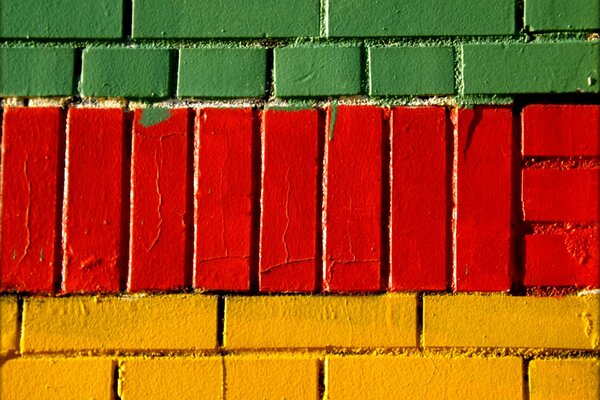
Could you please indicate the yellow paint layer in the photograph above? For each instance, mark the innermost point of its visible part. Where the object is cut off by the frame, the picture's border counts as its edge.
(397, 377)
(69, 378)
(108, 324)
(8, 324)
(171, 378)
(564, 379)
(271, 377)
(570, 322)
(320, 321)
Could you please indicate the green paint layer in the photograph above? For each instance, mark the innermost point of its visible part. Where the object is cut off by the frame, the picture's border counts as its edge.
(398, 71)
(222, 73)
(126, 72)
(154, 115)
(570, 67)
(36, 71)
(559, 15)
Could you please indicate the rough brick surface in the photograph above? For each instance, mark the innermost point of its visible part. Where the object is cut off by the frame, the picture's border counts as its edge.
(352, 199)
(159, 168)
(92, 208)
(562, 15)
(564, 379)
(224, 197)
(9, 340)
(32, 140)
(288, 233)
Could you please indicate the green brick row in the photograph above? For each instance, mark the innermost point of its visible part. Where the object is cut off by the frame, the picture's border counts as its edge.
(562, 15)
(309, 72)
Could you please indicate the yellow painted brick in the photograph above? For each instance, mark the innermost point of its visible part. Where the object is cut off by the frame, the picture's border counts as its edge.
(67, 378)
(271, 377)
(570, 322)
(8, 324)
(320, 321)
(171, 378)
(106, 324)
(435, 377)
(564, 379)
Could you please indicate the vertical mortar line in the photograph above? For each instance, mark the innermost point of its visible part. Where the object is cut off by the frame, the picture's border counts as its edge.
(420, 319)
(188, 272)
(195, 143)
(77, 70)
(323, 16)
(321, 377)
(526, 392)
(459, 85)
(450, 201)
(127, 19)
(256, 179)
(220, 343)
(173, 72)
(60, 192)
(386, 195)
(454, 179)
(517, 228)
(326, 138)
(270, 74)
(364, 69)
(519, 17)
(321, 134)
(125, 198)
(20, 323)
(116, 378)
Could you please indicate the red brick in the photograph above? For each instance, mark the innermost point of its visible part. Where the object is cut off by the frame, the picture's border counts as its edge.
(419, 196)
(92, 214)
(159, 171)
(288, 235)
(484, 186)
(31, 157)
(352, 200)
(561, 195)
(223, 207)
(561, 130)
(567, 259)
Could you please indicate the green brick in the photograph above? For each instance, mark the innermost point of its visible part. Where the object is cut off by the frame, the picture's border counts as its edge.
(222, 73)
(225, 18)
(397, 71)
(567, 67)
(36, 71)
(126, 72)
(317, 71)
(362, 18)
(61, 18)
(559, 15)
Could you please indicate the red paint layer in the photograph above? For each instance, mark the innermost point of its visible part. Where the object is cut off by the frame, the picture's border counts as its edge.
(561, 130)
(30, 153)
(483, 225)
(352, 200)
(92, 225)
(289, 201)
(159, 173)
(223, 201)
(568, 259)
(419, 194)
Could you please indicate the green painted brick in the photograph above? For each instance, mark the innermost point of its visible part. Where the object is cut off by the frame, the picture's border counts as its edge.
(397, 71)
(317, 71)
(36, 71)
(558, 15)
(61, 18)
(222, 73)
(373, 18)
(126, 72)
(225, 18)
(567, 67)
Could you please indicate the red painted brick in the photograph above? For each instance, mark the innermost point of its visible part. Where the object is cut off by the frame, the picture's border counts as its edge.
(352, 200)
(223, 204)
(288, 236)
(419, 195)
(30, 164)
(561, 195)
(159, 170)
(561, 130)
(483, 185)
(567, 259)
(92, 214)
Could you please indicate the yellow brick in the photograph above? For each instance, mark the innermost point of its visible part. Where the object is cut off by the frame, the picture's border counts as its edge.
(107, 324)
(320, 321)
(8, 324)
(415, 377)
(271, 377)
(564, 379)
(67, 378)
(171, 378)
(569, 322)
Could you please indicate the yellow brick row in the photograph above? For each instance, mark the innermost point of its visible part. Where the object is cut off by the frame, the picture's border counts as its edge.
(564, 379)
(8, 324)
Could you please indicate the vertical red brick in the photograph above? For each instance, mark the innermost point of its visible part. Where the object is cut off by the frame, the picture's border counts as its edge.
(223, 201)
(92, 219)
(159, 171)
(352, 199)
(288, 236)
(419, 194)
(30, 161)
(561, 130)
(484, 187)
